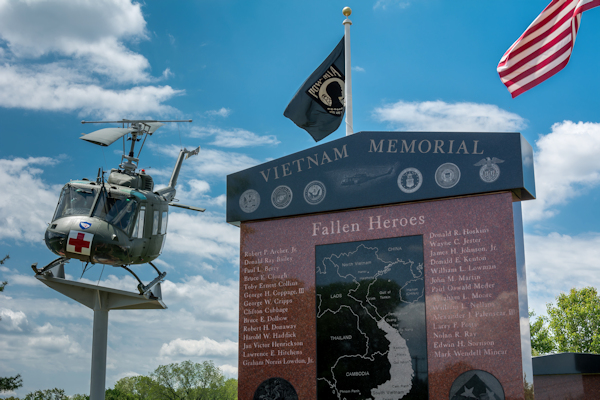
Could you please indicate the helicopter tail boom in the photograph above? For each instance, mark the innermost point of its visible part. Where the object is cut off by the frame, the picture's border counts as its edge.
(169, 191)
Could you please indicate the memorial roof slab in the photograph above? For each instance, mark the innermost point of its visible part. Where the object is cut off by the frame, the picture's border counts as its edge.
(377, 168)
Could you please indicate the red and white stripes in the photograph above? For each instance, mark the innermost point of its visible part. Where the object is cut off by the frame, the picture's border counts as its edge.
(545, 47)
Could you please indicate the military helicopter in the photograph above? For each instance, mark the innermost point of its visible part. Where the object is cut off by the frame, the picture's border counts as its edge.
(120, 221)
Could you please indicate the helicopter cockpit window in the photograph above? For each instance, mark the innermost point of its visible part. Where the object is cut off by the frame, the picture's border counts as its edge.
(163, 223)
(74, 201)
(138, 229)
(117, 209)
(155, 223)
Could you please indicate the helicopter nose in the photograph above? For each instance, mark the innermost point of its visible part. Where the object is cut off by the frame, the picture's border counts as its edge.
(55, 241)
(71, 237)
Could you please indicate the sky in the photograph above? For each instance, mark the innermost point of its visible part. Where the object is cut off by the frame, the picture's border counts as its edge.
(232, 66)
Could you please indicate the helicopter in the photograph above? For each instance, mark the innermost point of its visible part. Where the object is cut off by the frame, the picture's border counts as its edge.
(119, 221)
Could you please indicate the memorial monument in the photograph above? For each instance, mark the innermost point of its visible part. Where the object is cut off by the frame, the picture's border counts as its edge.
(385, 265)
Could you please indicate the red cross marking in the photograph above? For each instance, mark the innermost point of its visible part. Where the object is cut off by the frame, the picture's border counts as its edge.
(79, 243)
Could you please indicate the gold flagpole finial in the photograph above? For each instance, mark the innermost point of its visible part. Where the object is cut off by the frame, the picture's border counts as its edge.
(347, 11)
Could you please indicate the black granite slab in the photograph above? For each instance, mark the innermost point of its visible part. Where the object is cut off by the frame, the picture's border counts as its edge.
(566, 363)
(378, 168)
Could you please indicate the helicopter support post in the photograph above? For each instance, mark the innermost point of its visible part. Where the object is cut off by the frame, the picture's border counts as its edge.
(101, 300)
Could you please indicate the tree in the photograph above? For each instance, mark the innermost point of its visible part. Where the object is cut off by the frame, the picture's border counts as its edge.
(229, 390)
(48, 394)
(189, 381)
(132, 388)
(3, 284)
(11, 383)
(575, 321)
(541, 341)
(179, 381)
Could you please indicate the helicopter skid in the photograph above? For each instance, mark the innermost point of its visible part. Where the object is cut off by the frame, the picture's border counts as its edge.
(145, 290)
(60, 261)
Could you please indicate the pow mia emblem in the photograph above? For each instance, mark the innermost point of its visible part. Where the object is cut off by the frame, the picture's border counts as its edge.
(249, 201)
(410, 180)
(281, 197)
(328, 91)
(275, 389)
(489, 171)
(314, 192)
(447, 175)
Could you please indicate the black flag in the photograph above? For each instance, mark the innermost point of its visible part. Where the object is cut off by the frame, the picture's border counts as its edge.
(318, 106)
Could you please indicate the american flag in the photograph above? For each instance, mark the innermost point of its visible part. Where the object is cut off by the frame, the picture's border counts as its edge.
(545, 47)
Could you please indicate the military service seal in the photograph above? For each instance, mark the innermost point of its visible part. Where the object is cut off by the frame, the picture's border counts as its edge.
(489, 171)
(281, 197)
(410, 180)
(447, 175)
(249, 201)
(314, 192)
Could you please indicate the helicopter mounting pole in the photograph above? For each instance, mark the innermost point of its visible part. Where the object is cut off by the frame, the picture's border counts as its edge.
(101, 300)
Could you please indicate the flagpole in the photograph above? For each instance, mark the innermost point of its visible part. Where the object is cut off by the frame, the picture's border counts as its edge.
(348, 71)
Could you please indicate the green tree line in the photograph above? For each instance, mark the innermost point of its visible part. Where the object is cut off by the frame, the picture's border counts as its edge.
(180, 381)
(572, 325)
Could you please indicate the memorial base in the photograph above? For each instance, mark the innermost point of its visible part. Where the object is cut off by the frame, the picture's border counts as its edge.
(413, 301)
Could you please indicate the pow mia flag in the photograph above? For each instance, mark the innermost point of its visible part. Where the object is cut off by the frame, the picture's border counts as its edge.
(318, 106)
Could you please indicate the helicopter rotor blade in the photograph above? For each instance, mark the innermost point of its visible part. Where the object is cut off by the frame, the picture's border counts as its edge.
(153, 126)
(187, 207)
(106, 136)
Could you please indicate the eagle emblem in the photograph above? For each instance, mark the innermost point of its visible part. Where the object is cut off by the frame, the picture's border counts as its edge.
(489, 171)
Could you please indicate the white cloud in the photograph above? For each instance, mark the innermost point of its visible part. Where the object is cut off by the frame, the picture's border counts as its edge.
(200, 295)
(198, 187)
(50, 89)
(234, 137)
(556, 263)
(49, 338)
(27, 203)
(383, 4)
(167, 73)
(442, 116)
(566, 164)
(221, 112)
(12, 320)
(203, 235)
(195, 192)
(210, 163)
(358, 69)
(229, 370)
(198, 348)
(60, 54)
(89, 31)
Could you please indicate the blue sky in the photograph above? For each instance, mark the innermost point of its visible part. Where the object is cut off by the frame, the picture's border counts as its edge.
(232, 66)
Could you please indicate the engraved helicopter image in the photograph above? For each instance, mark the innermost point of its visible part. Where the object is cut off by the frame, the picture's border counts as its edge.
(119, 221)
(361, 178)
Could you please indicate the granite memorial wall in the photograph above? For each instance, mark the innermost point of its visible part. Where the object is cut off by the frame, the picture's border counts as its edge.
(407, 281)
